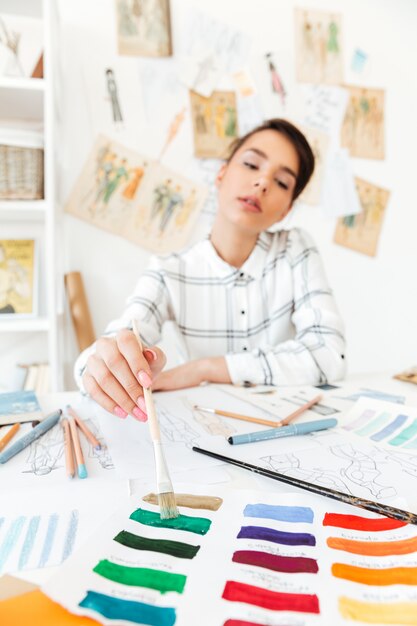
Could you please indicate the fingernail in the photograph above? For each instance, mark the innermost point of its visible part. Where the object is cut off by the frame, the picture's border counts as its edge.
(141, 404)
(140, 415)
(144, 379)
(152, 353)
(119, 412)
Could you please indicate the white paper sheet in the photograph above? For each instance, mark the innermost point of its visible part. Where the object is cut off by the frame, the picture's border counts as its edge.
(262, 557)
(340, 196)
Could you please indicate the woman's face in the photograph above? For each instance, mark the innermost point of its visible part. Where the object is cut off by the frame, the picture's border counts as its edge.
(256, 187)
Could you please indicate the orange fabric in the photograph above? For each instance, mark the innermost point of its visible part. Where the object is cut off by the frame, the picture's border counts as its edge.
(36, 609)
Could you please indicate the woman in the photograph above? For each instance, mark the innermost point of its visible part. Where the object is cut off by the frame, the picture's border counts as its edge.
(252, 306)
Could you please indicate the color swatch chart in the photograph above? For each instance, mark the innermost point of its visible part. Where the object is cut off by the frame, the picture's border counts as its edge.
(243, 558)
(36, 541)
(385, 424)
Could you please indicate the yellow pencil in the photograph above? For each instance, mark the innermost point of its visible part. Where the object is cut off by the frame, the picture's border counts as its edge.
(300, 410)
(9, 435)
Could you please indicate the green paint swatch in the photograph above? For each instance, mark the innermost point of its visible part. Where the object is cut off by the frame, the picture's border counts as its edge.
(199, 525)
(165, 546)
(141, 577)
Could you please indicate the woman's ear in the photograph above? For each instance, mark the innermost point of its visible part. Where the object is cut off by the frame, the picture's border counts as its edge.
(220, 175)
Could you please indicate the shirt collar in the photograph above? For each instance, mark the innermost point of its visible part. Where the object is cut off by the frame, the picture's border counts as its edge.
(252, 267)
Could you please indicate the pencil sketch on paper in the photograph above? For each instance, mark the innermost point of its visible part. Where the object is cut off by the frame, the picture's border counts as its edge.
(361, 232)
(319, 142)
(140, 200)
(215, 123)
(113, 96)
(319, 48)
(363, 127)
(340, 467)
(46, 453)
(102, 455)
(176, 429)
(143, 28)
(213, 424)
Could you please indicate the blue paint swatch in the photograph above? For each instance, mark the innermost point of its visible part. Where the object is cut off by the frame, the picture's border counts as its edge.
(280, 513)
(389, 428)
(29, 541)
(276, 536)
(375, 424)
(138, 612)
(405, 435)
(49, 540)
(71, 535)
(10, 539)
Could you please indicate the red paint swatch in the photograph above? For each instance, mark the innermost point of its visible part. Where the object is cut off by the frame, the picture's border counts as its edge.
(374, 548)
(273, 600)
(240, 622)
(287, 564)
(355, 522)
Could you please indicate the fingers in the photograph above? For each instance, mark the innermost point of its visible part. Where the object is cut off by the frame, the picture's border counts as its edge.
(156, 359)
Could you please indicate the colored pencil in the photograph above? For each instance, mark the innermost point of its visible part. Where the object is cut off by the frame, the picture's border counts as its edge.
(69, 457)
(84, 428)
(300, 410)
(283, 431)
(9, 435)
(31, 436)
(362, 503)
(166, 496)
(238, 416)
(81, 468)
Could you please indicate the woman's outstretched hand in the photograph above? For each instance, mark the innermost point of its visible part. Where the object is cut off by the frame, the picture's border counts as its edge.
(117, 371)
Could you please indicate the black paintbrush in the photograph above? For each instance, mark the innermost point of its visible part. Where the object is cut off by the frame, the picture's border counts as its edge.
(375, 507)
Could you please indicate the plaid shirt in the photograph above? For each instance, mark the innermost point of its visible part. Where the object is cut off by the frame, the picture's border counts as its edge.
(274, 319)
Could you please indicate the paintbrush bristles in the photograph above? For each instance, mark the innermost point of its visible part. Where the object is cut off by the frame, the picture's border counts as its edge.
(167, 505)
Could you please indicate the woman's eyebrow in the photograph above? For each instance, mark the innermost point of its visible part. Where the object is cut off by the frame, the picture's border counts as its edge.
(286, 169)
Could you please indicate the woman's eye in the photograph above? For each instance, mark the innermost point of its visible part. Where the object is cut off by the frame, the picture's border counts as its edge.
(251, 166)
(280, 183)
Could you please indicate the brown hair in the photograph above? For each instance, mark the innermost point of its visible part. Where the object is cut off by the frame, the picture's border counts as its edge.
(297, 139)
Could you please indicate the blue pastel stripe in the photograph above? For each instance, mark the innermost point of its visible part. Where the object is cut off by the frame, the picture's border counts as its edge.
(29, 541)
(10, 539)
(374, 425)
(129, 610)
(49, 540)
(405, 435)
(71, 535)
(280, 513)
(389, 429)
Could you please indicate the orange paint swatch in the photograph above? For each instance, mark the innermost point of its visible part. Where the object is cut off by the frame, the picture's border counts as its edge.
(378, 577)
(374, 548)
(379, 613)
(36, 609)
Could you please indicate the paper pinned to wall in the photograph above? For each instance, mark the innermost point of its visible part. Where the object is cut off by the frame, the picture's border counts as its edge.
(236, 556)
(361, 232)
(215, 123)
(324, 108)
(363, 127)
(319, 47)
(340, 196)
(319, 143)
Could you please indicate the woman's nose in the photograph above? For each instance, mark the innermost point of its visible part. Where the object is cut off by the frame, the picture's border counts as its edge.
(261, 184)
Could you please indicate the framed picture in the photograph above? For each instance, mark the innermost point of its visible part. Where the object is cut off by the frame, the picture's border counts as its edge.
(18, 278)
(215, 123)
(144, 28)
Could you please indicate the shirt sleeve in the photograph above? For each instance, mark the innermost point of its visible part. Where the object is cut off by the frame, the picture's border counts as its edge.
(316, 354)
(149, 304)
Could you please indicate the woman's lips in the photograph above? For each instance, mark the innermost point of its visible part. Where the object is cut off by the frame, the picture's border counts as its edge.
(250, 203)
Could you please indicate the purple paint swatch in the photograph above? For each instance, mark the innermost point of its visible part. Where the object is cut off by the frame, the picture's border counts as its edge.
(280, 513)
(276, 536)
(287, 564)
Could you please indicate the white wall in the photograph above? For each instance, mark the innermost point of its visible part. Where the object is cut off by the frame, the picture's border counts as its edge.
(377, 296)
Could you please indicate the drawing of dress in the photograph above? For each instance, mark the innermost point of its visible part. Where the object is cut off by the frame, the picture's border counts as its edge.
(230, 123)
(187, 208)
(161, 195)
(114, 98)
(114, 183)
(332, 43)
(219, 120)
(127, 26)
(131, 188)
(175, 199)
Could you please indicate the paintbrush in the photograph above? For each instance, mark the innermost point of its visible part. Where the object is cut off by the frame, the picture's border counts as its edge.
(165, 492)
(347, 498)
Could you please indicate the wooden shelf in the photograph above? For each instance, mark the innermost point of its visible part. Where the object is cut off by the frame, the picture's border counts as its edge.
(20, 99)
(24, 325)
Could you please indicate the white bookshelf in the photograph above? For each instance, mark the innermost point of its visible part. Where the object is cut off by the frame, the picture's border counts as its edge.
(32, 99)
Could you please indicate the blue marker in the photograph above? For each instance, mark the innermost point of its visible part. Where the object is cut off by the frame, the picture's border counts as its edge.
(284, 431)
(27, 439)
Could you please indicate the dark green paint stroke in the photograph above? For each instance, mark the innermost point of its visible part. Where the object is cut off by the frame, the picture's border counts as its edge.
(174, 548)
(198, 525)
(138, 612)
(141, 577)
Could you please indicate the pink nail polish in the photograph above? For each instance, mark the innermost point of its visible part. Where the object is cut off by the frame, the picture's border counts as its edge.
(140, 415)
(144, 379)
(119, 412)
(152, 353)
(142, 404)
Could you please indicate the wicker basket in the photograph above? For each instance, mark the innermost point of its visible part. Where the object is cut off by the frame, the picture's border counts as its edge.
(21, 173)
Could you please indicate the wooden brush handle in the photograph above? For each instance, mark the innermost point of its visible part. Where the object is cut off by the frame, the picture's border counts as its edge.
(147, 394)
(247, 418)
